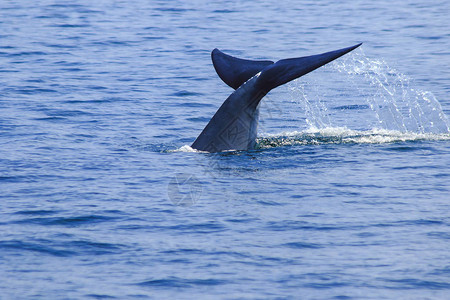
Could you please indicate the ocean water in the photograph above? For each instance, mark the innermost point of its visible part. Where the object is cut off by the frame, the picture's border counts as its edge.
(347, 195)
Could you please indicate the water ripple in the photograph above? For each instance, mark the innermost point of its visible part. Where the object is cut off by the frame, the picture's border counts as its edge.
(66, 221)
(175, 282)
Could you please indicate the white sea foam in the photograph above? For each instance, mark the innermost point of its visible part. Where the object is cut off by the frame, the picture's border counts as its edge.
(185, 148)
(342, 135)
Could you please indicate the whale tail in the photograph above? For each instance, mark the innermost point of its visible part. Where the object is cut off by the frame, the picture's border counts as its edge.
(236, 71)
(234, 125)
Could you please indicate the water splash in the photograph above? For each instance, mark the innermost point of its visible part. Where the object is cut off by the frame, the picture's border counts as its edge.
(395, 104)
(314, 108)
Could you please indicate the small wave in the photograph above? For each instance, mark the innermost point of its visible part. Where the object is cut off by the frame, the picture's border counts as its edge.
(302, 245)
(62, 248)
(40, 247)
(184, 93)
(342, 135)
(65, 221)
(413, 283)
(175, 282)
(36, 212)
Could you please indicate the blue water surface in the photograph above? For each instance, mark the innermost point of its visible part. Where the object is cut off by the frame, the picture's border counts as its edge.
(345, 197)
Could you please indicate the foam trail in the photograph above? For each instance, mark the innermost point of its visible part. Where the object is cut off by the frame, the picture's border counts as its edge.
(335, 135)
(342, 135)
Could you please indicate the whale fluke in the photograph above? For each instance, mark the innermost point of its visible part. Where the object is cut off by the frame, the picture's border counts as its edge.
(234, 125)
(289, 69)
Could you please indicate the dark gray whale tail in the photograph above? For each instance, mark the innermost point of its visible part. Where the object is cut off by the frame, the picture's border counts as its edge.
(234, 126)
